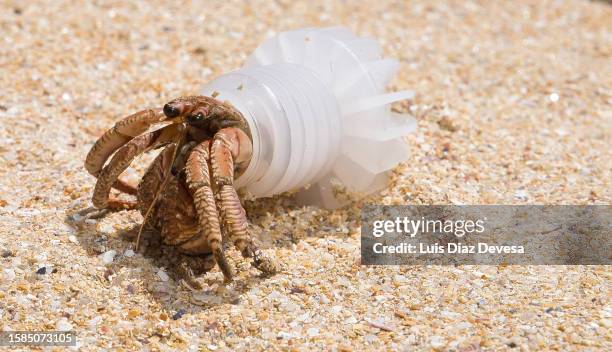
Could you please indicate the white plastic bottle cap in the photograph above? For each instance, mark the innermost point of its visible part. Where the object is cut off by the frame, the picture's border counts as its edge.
(316, 104)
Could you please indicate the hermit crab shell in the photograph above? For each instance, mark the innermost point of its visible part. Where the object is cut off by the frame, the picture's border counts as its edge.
(316, 103)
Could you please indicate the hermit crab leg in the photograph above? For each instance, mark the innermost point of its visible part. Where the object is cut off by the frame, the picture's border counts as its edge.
(123, 131)
(198, 181)
(122, 159)
(153, 178)
(232, 145)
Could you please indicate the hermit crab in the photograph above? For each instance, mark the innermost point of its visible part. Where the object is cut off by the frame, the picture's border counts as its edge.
(187, 193)
(309, 111)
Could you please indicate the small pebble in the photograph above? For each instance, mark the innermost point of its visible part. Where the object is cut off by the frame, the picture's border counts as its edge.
(370, 338)
(179, 314)
(73, 239)
(109, 256)
(312, 332)
(129, 253)
(436, 341)
(42, 270)
(379, 324)
(162, 275)
(449, 314)
(323, 299)
(282, 335)
(350, 321)
(133, 313)
(9, 274)
(6, 254)
(463, 325)
(108, 274)
(204, 298)
(521, 194)
(94, 321)
(554, 97)
(63, 325)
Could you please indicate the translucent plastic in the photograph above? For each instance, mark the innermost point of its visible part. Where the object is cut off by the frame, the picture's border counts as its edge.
(316, 104)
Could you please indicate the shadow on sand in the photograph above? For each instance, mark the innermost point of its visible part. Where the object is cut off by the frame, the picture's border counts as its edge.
(153, 260)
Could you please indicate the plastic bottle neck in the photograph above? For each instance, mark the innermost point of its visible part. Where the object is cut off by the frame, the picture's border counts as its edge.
(295, 123)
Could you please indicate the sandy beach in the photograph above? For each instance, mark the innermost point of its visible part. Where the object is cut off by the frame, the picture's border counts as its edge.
(514, 106)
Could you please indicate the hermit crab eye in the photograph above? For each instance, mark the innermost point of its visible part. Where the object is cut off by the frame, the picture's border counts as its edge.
(195, 117)
(171, 111)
